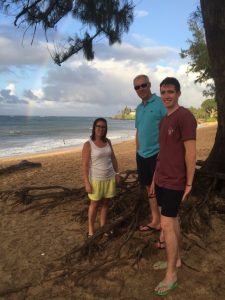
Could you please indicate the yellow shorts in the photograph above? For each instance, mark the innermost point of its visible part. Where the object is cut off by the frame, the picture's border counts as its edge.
(102, 189)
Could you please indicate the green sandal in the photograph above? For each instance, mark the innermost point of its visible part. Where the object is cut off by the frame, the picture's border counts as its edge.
(160, 265)
(167, 288)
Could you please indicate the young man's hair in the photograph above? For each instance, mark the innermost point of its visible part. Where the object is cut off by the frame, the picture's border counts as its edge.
(171, 81)
(104, 139)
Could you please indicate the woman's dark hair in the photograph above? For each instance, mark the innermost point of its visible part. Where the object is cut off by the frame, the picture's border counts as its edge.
(93, 129)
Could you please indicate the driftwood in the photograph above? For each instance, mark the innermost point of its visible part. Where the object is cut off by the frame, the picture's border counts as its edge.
(23, 165)
(14, 290)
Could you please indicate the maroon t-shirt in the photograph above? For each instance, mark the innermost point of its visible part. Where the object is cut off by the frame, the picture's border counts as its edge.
(174, 129)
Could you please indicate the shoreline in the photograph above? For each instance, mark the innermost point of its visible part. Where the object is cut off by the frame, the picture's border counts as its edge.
(53, 152)
(64, 167)
(62, 149)
(75, 149)
(41, 154)
(26, 137)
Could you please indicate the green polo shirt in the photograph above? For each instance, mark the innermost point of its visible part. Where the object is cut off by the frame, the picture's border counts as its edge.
(147, 121)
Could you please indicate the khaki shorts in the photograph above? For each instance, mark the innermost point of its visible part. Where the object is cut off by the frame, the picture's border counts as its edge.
(103, 189)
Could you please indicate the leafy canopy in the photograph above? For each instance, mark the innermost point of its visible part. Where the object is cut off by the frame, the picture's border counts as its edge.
(198, 53)
(210, 107)
(207, 112)
(108, 18)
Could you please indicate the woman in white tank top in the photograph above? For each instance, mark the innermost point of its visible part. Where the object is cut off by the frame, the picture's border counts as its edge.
(100, 170)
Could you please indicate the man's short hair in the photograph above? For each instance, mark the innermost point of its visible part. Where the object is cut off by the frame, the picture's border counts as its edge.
(146, 78)
(171, 81)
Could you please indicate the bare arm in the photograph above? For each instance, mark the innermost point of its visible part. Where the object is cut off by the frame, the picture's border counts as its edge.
(152, 186)
(86, 155)
(137, 142)
(114, 163)
(190, 161)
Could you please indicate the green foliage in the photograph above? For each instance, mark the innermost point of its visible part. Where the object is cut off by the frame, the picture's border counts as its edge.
(126, 111)
(210, 107)
(98, 18)
(198, 53)
(207, 112)
(126, 114)
(199, 113)
(127, 117)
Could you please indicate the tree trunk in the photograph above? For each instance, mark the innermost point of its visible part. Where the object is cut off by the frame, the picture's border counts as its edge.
(213, 12)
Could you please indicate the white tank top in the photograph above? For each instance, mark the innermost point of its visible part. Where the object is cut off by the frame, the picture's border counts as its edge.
(100, 166)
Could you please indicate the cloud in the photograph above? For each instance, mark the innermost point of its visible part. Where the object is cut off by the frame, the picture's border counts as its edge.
(125, 51)
(6, 96)
(101, 87)
(12, 88)
(141, 13)
(16, 51)
(98, 88)
(191, 93)
(105, 87)
(30, 95)
(4, 69)
(71, 85)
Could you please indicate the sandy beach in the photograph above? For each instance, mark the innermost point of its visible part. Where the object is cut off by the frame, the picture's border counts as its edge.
(64, 167)
(31, 240)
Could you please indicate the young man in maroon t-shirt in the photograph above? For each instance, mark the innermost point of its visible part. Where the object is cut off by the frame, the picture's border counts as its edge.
(174, 175)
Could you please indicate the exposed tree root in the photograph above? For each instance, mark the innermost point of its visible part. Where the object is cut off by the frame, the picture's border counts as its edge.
(23, 165)
(124, 246)
(14, 290)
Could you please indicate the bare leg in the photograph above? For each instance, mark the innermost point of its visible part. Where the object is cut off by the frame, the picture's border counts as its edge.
(155, 215)
(92, 212)
(177, 230)
(155, 223)
(161, 237)
(161, 243)
(104, 211)
(169, 230)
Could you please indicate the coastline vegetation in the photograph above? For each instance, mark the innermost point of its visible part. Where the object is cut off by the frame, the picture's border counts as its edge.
(126, 114)
(206, 113)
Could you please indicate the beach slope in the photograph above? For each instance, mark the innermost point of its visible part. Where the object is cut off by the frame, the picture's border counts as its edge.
(34, 238)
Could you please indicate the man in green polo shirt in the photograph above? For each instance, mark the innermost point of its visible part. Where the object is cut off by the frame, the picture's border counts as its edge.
(148, 116)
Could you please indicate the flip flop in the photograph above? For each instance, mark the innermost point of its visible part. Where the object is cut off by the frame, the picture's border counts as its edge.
(147, 228)
(160, 265)
(167, 288)
(89, 235)
(160, 245)
(109, 234)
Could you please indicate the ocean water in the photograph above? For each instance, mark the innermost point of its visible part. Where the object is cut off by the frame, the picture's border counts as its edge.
(20, 135)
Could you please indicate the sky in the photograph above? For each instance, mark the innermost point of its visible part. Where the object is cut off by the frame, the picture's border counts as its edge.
(32, 84)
